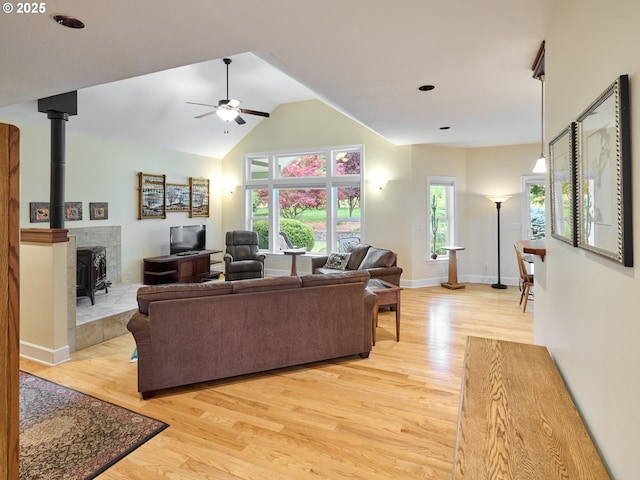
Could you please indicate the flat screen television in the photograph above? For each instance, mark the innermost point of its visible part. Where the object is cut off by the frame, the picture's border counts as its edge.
(187, 238)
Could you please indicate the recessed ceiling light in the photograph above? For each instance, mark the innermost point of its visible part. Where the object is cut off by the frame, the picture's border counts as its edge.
(426, 88)
(67, 21)
(445, 128)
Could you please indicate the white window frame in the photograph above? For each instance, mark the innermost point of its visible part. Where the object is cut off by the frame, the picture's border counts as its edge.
(451, 210)
(527, 181)
(273, 183)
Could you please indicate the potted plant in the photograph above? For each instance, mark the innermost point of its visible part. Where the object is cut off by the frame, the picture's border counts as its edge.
(434, 227)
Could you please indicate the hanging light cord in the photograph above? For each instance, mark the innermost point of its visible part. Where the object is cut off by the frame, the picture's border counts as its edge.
(541, 77)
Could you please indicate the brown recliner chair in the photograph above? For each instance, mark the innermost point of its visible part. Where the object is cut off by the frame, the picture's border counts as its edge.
(242, 259)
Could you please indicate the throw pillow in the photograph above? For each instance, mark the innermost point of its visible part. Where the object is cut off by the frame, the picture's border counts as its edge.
(337, 261)
(378, 257)
(358, 252)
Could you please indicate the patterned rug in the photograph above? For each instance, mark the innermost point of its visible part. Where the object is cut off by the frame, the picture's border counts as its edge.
(65, 434)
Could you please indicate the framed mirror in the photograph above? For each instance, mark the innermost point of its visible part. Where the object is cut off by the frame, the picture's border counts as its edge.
(604, 175)
(562, 178)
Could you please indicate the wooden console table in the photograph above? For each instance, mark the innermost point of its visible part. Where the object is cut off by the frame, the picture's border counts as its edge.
(517, 419)
(533, 247)
(178, 268)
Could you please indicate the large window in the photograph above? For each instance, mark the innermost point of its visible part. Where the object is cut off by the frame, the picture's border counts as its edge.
(306, 200)
(441, 214)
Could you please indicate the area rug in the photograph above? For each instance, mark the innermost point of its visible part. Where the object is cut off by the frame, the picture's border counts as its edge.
(65, 434)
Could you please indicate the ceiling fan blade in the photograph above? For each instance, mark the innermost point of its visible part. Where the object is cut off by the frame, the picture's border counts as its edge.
(206, 114)
(202, 104)
(254, 112)
(233, 103)
(239, 120)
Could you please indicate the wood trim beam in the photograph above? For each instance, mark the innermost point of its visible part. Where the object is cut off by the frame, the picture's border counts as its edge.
(538, 63)
(9, 301)
(44, 235)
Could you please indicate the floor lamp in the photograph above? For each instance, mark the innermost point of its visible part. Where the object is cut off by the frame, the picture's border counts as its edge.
(498, 200)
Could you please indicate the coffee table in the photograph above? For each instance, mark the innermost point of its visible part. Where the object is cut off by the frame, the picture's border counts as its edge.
(388, 296)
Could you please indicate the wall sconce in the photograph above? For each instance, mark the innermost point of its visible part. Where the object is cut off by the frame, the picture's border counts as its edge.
(229, 186)
(379, 182)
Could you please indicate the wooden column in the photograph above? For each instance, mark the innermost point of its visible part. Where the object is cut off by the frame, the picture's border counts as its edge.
(9, 300)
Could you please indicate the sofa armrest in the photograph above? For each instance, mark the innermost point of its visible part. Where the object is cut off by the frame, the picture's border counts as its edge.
(388, 274)
(259, 257)
(140, 328)
(138, 324)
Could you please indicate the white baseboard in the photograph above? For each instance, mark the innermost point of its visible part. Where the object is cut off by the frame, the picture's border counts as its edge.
(425, 282)
(434, 282)
(41, 354)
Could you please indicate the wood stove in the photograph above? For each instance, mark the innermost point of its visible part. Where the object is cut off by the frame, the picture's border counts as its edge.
(91, 272)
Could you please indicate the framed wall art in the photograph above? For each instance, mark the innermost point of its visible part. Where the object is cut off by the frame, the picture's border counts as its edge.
(38, 212)
(604, 175)
(178, 197)
(72, 211)
(98, 211)
(562, 178)
(151, 199)
(199, 200)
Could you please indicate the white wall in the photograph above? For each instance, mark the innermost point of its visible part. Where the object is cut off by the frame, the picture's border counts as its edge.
(436, 161)
(495, 171)
(104, 170)
(586, 306)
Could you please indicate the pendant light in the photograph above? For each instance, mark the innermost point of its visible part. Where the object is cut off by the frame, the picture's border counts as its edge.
(541, 163)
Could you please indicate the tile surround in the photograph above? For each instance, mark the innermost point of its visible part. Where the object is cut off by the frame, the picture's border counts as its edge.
(92, 324)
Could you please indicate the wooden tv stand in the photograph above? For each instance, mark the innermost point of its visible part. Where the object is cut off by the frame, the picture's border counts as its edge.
(178, 268)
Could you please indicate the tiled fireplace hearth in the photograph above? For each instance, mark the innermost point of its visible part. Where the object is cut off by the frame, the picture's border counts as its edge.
(82, 333)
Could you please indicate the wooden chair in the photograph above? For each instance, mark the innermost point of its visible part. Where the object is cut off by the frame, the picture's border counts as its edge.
(526, 279)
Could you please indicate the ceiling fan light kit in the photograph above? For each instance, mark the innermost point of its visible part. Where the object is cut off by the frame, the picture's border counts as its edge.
(229, 109)
(227, 114)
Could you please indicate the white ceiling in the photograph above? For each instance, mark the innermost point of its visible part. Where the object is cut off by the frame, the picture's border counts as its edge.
(366, 58)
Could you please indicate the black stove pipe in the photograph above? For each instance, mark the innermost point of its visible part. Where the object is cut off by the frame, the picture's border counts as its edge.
(58, 108)
(56, 192)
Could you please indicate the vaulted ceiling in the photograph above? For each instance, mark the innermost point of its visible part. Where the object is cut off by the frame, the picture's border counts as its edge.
(136, 64)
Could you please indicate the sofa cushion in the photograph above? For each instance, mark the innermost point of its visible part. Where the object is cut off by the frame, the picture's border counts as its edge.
(265, 284)
(358, 251)
(156, 293)
(378, 257)
(337, 261)
(319, 279)
(244, 266)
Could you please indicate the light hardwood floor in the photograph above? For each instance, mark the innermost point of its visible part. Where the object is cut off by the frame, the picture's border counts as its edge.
(391, 416)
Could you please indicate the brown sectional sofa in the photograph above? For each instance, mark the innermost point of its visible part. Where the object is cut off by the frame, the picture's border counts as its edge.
(378, 262)
(190, 333)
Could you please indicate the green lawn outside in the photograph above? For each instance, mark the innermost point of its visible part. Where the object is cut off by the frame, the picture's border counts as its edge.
(314, 215)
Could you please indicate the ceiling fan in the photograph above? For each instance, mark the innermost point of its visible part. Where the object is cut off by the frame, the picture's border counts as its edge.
(229, 109)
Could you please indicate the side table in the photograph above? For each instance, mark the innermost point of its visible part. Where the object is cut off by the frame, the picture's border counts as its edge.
(388, 296)
(452, 283)
(294, 252)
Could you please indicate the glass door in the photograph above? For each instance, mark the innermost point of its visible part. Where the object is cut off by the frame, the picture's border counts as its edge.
(533, 210)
